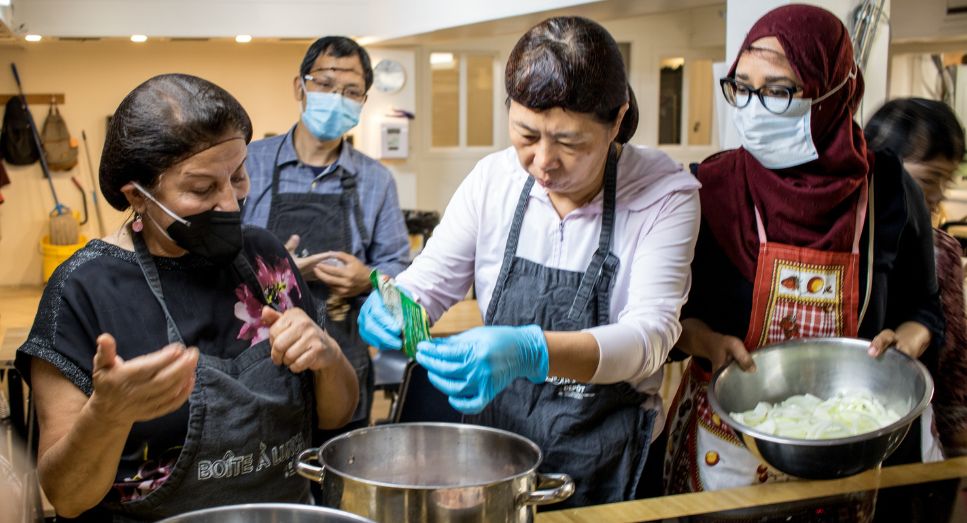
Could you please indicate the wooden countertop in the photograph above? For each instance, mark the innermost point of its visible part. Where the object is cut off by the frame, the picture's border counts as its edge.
(759, 495)
(462, 316)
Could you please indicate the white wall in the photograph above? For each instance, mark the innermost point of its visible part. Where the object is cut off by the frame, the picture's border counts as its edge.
(378, 106)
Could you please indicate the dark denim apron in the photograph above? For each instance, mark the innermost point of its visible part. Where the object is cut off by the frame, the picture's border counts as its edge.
(598, 434)
(323, 223)
(247, 420)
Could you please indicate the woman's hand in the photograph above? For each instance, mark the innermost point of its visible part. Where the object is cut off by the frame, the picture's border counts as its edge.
(910, 338)
(301, 345)
(699, 340)
(473, 367)
(377, 326)
(298, 342)
(143, 388)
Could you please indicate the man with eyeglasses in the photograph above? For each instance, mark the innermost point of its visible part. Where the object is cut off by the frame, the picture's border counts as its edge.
(336, 208)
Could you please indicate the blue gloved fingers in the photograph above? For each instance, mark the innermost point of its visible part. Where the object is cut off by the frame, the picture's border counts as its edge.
(377, 335)
(377, 327)
(441, 357)
(471, 405)
(445, 369)
(450, 349)
(450, 386)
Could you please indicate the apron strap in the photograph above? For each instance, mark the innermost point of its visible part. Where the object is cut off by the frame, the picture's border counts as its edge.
(857, 230)
(150, 271)
(510, 250)
(348, 182)
(871, 197)
(595, 270)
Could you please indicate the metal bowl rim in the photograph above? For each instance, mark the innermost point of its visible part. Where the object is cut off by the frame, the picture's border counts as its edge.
(849, 344)
(273, 506)
(402, 486)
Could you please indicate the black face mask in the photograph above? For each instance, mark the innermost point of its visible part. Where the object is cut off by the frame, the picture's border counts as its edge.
(213, 235)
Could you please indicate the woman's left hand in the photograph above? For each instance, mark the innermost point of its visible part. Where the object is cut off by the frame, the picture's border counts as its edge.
(910, 338)
(298, 342)
(473, 367)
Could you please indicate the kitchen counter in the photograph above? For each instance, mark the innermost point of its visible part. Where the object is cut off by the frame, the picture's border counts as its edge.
(759, 495)
(462, 316)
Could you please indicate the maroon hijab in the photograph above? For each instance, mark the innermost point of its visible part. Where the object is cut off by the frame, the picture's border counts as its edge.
(810, 205)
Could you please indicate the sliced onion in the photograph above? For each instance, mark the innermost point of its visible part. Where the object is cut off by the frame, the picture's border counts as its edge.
(805, 416)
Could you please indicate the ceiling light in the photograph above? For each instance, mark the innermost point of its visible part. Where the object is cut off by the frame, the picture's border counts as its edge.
(33, 38)
(139, 38)
(243, 39)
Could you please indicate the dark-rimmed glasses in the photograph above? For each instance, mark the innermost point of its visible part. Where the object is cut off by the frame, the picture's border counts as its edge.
(774, 97)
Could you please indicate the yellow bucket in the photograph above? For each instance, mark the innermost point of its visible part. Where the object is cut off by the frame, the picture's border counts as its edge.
(54, 255)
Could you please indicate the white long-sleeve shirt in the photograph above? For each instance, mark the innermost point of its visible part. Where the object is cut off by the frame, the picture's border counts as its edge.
(657, 221)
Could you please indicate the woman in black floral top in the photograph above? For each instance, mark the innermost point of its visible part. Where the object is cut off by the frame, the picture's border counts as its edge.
(173, 366)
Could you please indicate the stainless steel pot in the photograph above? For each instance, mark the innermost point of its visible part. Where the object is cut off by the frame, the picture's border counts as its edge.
(433, 472)
(267, 513)
(822, 367)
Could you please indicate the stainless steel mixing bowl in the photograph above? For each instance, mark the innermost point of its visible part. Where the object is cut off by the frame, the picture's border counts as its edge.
(267, 513)
(822, 367)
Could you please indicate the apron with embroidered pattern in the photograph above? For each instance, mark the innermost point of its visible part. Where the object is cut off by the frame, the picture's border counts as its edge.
(798, 293)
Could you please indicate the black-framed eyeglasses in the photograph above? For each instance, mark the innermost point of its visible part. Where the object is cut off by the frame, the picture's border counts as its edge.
(774, 97)
(327, 85)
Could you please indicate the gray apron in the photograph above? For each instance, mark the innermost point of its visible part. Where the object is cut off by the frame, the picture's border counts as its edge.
(247, 420)
(598, 434)
(323, 222)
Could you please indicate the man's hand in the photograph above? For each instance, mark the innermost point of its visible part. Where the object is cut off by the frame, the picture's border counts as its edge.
(345, 274)
(306, 264)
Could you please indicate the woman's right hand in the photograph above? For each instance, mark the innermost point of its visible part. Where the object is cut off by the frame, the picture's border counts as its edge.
(377, 326)
(143, 388)
(699, 340)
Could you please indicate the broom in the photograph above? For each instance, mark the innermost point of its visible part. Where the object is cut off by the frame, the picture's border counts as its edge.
(63, 225)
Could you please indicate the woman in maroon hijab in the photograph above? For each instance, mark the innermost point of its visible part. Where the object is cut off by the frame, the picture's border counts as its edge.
(785, 247)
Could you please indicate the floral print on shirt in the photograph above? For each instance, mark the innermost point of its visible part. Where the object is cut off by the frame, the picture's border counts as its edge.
(278, 284)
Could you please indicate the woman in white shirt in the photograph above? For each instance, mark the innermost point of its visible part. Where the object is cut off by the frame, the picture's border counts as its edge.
(579, 248)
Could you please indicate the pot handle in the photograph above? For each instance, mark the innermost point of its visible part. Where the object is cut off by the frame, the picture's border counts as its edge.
(305, 469)
(554, 488)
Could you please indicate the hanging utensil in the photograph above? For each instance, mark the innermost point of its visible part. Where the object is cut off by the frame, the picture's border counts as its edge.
(63, 225)
(83, 198)
(90, 170)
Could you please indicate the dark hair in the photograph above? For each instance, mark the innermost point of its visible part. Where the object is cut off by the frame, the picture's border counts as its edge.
(160, 123)
(337, 46)
(916, 129)
(572, 63)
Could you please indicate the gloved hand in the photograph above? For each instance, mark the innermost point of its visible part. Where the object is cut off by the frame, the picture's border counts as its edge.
(377, 326)
(473, 367)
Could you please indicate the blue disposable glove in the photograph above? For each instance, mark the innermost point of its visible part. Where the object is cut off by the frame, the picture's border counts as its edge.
(377, 326)
(473, 367)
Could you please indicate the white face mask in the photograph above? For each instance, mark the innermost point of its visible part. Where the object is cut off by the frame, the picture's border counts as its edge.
(780, 141)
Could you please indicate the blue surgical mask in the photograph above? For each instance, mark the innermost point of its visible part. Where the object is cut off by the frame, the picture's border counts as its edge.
(780, 141)
(328, 116)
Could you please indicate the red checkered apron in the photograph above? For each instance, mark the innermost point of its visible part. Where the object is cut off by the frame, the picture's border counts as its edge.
(798, 293)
